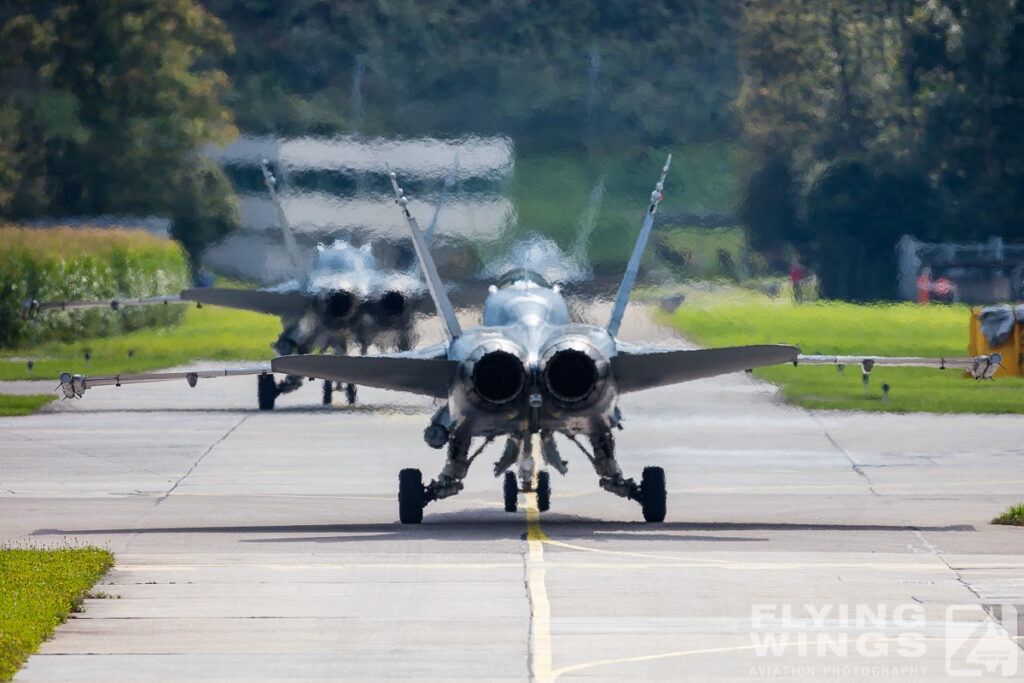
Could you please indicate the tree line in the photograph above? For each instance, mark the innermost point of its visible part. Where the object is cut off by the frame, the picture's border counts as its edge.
(866, 120)
(860, 120)
(105, 107)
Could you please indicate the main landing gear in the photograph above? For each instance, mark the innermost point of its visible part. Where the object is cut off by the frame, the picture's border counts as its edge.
(267, 389)
(650, 492)
(413, 496)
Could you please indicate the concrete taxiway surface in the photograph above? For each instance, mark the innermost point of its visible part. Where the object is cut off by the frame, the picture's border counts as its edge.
(265, 545)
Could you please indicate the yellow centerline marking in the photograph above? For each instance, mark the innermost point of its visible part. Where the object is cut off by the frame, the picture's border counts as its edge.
(540, 606)
(540, 622)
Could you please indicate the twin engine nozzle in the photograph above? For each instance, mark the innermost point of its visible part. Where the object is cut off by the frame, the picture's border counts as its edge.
(571, 371)
(339, 305)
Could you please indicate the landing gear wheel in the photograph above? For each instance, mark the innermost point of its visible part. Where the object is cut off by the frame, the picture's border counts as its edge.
(266, 391)
(328, 392)
(350, 393)
(411, 496)
(511, 490)
(652, 494)
(543, 491)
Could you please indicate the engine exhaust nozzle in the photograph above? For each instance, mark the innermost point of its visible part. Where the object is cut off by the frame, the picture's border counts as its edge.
(573, 371)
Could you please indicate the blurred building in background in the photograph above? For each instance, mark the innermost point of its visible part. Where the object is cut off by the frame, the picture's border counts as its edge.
(338, 187)
(975, 272)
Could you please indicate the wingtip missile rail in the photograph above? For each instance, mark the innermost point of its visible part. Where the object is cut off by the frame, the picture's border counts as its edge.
(980, 367)
(74, 385)
(30, 308)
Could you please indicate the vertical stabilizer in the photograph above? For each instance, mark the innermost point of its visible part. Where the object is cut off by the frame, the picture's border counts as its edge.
(434, 284)
(449, 181)
(586, 226)
(622, 298)
(298, 263)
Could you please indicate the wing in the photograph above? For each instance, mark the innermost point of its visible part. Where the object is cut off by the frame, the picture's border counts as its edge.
(288, 303)
(30, 308)
(401, 372)
(637, 367)
(74, 385)
(259, 300)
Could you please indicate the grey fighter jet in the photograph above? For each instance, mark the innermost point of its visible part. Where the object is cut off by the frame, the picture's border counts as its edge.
(344, 301)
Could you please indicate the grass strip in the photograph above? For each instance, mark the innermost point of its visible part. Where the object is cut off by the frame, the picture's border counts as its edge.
(208, 333)
(851, 329)
(14, 405)
(1014, 516)
(38, 590)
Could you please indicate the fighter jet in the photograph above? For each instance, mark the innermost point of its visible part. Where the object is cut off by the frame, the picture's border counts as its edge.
(344, 301)
(526, 374)
(529, 372)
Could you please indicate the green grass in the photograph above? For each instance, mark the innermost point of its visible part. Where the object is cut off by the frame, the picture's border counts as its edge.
(38, 590)
(67, 264)
(850, 329)
(208, 333)
(23, 405)
(1014, 516)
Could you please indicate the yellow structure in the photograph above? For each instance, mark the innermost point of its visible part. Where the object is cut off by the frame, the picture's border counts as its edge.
(1009, 348)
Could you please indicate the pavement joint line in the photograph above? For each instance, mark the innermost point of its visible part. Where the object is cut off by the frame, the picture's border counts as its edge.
(200, 459)
(783, 487)
(917, 568)
(313, 567)
(934, 550)
(853, 463)
(286, 495)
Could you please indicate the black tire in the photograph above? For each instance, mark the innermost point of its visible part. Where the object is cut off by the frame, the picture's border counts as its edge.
(652, 494)
(543, 491)
(511, 491)
(350, 393)
(411, 496)
(266, 391)
(328, 392)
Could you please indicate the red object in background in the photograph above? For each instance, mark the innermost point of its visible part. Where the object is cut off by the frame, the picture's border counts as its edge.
(924, 288)
(796, 274)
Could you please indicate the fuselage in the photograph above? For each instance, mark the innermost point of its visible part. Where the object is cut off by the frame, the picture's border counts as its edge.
(529, 368)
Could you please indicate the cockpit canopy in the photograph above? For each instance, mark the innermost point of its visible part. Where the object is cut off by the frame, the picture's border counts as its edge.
(520, 275)
(340, 256)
